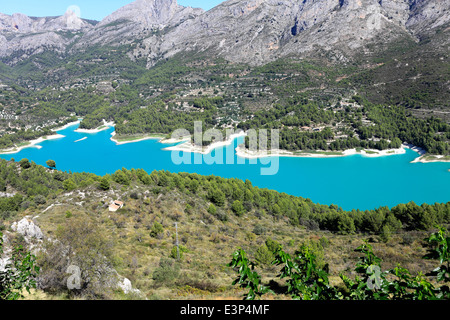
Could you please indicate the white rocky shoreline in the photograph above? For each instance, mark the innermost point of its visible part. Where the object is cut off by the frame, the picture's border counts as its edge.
(186, 145)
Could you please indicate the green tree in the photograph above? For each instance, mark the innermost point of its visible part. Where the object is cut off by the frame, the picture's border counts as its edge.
(238, 208)
(104, 184)
(69, 185)
(121, 177)
(51, 164)
(345, 224)
(25, 163)
(216, 196)
(193, 185)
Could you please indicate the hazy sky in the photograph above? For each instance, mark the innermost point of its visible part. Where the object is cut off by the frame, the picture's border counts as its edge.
(87, 9)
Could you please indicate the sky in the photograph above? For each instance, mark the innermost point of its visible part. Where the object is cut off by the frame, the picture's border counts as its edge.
(86, 9)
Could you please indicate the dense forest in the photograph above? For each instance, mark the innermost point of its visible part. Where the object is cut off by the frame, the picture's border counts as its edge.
(385, 127)
(35, 183)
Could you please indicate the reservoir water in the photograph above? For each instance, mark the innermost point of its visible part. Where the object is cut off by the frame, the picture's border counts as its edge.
(352, 182)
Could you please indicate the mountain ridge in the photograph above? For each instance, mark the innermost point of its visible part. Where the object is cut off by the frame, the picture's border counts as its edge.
(254, 31)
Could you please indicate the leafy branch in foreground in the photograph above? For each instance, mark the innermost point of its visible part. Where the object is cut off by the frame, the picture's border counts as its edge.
(19, 273)
(248, 278)
(306, 280)
(439, 249)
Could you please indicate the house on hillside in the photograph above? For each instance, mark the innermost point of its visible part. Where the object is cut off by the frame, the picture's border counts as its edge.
(116, 205)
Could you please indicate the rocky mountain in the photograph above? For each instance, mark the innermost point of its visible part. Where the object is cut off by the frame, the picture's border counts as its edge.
(250, 31)
(259, 31)
(425, 16)
(21, 24)
(22, 36)
(136, 21)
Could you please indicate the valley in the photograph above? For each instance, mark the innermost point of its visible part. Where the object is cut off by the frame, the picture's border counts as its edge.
(358, 92)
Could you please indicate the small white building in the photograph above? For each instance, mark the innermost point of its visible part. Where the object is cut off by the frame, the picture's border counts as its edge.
(116, 205)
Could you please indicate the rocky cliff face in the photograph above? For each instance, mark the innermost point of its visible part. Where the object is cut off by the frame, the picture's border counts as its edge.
(426, 16)
(136, 21)
(150, 13)
(259, 31)
(248, 31)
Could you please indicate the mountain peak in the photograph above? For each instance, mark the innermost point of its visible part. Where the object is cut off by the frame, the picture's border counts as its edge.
(146, 12)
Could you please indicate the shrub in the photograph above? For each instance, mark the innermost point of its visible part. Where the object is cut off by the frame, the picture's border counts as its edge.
(167, 272)
(238, 208)
(259, 230)
(81, 244)
(273, 246)
(20, 273)
(212, 209)
(156, 230)
(40, 199)
(174, 252)
(188, 209)
(222, 215)
(134, 195)
(264, 256)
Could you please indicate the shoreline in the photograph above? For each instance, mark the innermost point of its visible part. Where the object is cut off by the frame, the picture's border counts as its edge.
(149, 137)
(188, 146)
(66, 126)
(243, 153)
(369, 153)
(103, 127)
(32, 144)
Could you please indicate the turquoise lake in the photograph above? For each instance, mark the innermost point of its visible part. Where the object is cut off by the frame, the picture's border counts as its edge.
(352, 182)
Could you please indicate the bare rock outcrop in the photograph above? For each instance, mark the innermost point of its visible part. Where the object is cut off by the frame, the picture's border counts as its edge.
(27, 228)
(244, 31)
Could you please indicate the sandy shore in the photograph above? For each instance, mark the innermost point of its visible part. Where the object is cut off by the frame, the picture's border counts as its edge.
(188, 146)
(437, 158)
(150, 137)
(423, 157)
(171, 140)
(244, 153)
(31, 144)
(66, 126)
(105, 126)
